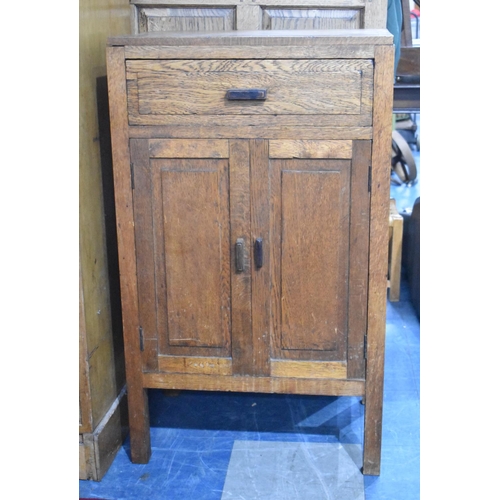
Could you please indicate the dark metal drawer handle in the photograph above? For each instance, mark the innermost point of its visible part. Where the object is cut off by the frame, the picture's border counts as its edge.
(239, 255)
(246, 94)
(258, 254)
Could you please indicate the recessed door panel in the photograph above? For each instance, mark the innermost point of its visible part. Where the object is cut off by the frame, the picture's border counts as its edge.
(310, 226)
(311, 305)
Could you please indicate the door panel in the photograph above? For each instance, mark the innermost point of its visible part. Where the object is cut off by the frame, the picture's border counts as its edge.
(310, 243)
(319, 233)
(301, 311)
(194, 217)
(311, 250)
(191, 230)
(181, 211)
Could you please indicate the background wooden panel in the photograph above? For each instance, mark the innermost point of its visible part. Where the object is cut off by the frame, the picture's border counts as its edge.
(250, 14)
(101, 347)
(184, 19)
(307, 19)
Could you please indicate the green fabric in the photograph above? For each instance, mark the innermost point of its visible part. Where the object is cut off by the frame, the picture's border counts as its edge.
(394, 25)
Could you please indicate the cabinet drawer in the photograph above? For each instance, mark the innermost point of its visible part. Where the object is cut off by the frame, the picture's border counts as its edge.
(159, 90)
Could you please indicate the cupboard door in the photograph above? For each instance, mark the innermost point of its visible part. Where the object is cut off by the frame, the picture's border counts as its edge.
(319, 269)
(181, 212)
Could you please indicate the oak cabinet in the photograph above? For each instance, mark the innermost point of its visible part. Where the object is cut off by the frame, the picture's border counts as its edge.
(252, 193)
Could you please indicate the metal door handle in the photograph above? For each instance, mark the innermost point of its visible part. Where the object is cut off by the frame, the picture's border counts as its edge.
(258, 253)
(239, 254)
(246, 94)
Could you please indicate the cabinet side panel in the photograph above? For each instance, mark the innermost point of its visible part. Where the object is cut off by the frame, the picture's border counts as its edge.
(379, 248)
(140, 443)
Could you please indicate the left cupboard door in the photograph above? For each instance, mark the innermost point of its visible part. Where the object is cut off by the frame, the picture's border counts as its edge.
(183, 250)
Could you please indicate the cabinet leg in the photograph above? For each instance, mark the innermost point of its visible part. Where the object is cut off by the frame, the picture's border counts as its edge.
(140, 442)
(373, 432)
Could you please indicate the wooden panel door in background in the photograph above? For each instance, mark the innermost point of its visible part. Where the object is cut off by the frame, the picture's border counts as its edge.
(166, 18)
(223, 15)
(181, 212)
(309, 19)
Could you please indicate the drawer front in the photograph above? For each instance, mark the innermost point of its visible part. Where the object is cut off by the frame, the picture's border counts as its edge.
(160, 90)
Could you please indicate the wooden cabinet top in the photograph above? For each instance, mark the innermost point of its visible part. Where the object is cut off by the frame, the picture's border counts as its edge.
(258, 38)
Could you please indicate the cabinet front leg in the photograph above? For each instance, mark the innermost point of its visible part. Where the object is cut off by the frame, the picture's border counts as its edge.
(140, 442)
(373, 410)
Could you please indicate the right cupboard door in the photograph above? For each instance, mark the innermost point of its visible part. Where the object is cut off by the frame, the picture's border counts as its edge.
(319, 233)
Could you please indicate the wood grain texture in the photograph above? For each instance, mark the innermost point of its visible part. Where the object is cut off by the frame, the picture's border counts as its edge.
(308, 369)
(287, 51)
(377, 293)
(295, 3)
(196, 245)
(241, 282)
(192, 364)
(137, 396)
(358, 257)
(145, 252)
(280, 385)
(248, 16)
(259, 199)
(191, 240)
(375, 14)
(309, 245)
(84, 400)
(99, 448)
(194, 148)
(395, 251)
(105, 374)
(296, 324)
(157, 15)
(310, 149)
(254, 132)
(163, 18)
(275, 38)
(293, 87)
(311, 19)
